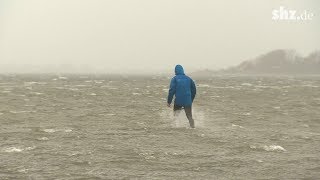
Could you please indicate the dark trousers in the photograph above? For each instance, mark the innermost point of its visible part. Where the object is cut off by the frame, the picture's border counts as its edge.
(187, 110)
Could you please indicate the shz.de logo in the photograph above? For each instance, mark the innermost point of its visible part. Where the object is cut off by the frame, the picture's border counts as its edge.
(289, 14)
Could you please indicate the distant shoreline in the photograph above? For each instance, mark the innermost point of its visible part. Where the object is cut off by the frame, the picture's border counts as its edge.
(160, 75)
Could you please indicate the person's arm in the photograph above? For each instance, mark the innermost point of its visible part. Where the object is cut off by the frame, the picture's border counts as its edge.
(172, 90)
(193, 90)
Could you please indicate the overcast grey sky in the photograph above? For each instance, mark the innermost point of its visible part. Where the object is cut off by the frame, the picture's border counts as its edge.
(147, 35)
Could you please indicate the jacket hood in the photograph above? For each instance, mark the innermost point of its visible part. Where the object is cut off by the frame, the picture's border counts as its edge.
(179, 70)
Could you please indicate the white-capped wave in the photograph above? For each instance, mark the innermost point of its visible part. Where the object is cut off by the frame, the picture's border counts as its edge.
(224, 87)
(305, 125)
(30, 148)
(18, 149)
(81, 85)
(29, 83)
(43, 139)
(49, 130)
(36, 93)
(68, 130)
(57, 130)
(73, 89)
(12, 149)
(24, 170)
(214, 97)
(310, 85)
(237, 126)
(203, 85)
(275, 148)
(18, 112)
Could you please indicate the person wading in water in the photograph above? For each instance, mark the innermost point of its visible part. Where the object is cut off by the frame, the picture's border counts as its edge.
(184, 90)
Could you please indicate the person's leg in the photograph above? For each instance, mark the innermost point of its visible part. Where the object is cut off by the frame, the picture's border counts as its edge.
(188, 111)
(176, 110)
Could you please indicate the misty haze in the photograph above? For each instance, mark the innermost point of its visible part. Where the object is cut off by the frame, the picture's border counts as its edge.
(93, 90)
(146, 36)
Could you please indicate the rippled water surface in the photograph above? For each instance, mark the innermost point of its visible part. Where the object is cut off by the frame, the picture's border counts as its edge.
(107, 127)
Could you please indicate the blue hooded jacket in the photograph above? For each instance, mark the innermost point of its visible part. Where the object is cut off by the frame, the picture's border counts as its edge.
(182, 87)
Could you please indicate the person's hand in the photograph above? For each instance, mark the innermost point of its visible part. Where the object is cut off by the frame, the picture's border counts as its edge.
(169, 105)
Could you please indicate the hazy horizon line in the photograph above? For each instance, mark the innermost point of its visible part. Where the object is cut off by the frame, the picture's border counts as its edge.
(87, 69)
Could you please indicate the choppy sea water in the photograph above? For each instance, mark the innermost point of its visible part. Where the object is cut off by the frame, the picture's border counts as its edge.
(108, 127)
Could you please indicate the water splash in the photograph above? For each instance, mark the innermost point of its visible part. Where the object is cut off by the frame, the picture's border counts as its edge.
(181, 120)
